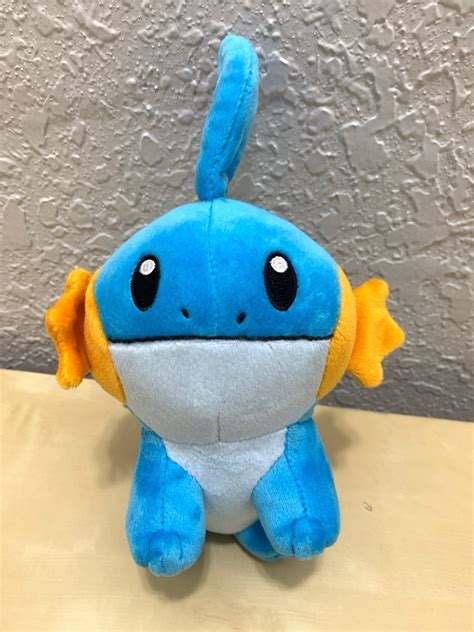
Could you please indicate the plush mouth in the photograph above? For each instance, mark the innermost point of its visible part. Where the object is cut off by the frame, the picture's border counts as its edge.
(200, 391)
(130, 341)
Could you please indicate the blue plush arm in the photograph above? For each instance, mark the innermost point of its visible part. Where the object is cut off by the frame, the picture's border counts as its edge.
(165, 519)
(296, 500)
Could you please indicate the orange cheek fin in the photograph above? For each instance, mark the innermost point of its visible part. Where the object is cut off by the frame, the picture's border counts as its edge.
(65, 325)
(377, 334)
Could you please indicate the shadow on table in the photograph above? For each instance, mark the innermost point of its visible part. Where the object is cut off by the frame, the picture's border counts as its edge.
(289, 573)
(336, 437)
(179, 587)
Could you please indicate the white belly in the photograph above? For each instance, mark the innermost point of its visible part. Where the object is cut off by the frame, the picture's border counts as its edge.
(208, 391)
(228, 473)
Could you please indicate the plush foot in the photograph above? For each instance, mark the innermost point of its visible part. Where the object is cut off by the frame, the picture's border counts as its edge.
(303, 538)
(165, 519)
(165, 553)
(255, 541)
(296, 501)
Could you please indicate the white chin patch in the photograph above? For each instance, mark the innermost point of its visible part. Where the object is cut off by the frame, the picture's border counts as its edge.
(203, 391)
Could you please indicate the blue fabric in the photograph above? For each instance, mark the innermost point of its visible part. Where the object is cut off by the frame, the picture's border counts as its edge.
(255, 540)
(230, 119)
(296, 500)
(165, 519)
(212, 257)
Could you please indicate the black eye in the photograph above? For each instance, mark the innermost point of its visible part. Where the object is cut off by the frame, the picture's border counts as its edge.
(145, 281)
(280, 281)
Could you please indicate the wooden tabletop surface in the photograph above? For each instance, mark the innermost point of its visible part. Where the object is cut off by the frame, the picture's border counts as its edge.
(403, 560)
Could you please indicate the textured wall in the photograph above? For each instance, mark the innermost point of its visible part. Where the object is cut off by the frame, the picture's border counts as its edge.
(364, 139)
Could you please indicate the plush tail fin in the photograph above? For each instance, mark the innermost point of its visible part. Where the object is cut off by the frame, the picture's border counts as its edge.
(65, 324)
(230, 119)
(377, 334)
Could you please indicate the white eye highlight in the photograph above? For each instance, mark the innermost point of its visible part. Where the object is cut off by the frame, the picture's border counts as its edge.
(147, 267)
(279, 264)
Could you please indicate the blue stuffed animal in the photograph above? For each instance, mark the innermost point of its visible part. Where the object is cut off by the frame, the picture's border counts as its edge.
(219, 326)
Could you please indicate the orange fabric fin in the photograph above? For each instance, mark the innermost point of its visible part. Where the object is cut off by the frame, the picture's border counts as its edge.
(65, 325)
(102, 367)
(377, 334)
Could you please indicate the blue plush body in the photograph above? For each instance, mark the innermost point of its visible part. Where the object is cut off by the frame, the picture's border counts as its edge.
(218, 326)
(219, 369)
(296, 503)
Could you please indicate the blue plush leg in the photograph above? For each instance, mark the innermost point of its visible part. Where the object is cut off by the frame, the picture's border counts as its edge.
(165, 519)
(255, 540)
(296, 500)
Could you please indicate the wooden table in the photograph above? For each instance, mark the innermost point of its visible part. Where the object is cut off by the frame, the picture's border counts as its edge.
(403, 561)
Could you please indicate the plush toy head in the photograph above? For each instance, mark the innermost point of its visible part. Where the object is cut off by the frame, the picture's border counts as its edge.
(220, 321)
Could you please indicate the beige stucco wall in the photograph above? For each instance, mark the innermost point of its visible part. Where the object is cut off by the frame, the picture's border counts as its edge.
(364, 139)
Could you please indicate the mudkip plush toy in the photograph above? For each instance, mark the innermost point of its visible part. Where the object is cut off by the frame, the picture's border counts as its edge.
(219, 326)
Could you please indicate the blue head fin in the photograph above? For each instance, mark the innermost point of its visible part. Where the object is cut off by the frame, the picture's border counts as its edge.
(230, 119)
